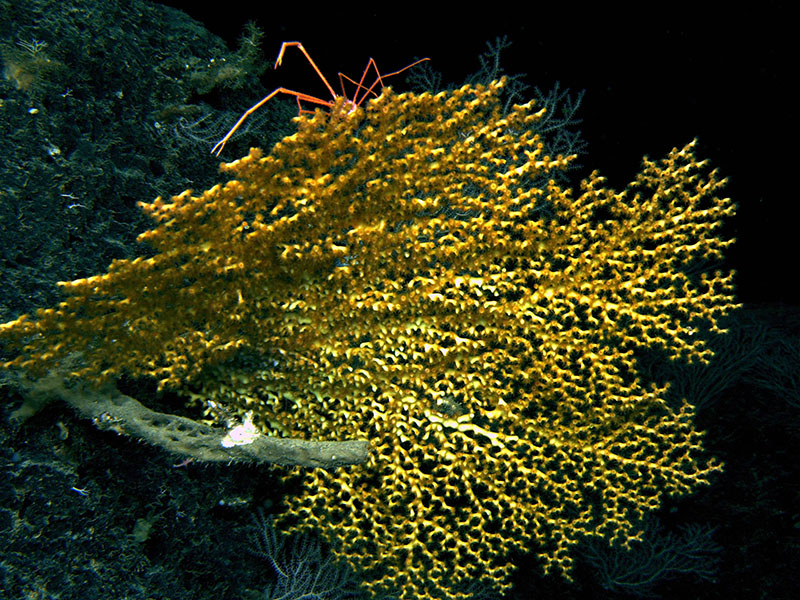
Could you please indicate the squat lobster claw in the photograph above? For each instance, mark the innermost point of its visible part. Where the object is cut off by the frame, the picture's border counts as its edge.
(356, 101)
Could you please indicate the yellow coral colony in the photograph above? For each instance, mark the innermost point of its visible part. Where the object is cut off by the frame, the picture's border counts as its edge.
(401, 274)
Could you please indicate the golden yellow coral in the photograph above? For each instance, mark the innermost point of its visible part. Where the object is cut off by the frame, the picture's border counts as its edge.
(407, 274)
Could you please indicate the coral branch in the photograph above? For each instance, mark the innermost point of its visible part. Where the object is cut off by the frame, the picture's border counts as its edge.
(400, 273)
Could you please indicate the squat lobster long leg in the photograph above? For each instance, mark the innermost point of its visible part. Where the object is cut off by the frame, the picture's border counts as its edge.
(378, 79)
(308, 98)
(221, 144)
(279, 60)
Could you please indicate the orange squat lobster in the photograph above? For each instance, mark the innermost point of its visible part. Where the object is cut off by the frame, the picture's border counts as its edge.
(356, 101)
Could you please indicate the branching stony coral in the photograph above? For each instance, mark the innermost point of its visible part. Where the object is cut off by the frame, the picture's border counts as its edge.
(393, 274)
